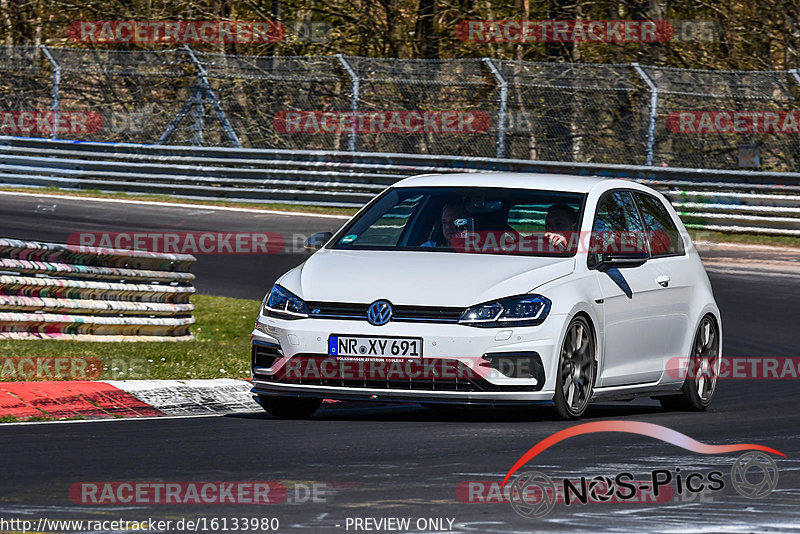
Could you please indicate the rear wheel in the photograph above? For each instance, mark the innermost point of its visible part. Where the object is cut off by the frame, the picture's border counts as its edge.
(576, 370)
(289, 407)
(704, 364)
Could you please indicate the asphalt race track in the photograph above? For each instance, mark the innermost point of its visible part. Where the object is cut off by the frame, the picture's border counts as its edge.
(404, 461)
(245, 276)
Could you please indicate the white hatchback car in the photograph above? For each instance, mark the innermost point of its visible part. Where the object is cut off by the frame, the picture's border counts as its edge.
(494, 289)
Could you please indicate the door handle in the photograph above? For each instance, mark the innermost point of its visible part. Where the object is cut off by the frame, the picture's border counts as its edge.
(663, 280)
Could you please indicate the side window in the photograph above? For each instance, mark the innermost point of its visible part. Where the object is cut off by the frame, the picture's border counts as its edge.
(665, 239)
(616, 225)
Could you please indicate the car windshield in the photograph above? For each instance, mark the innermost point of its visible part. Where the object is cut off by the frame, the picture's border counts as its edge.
(468, 220)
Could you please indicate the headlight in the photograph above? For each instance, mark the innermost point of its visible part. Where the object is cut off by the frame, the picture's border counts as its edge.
(283, 304)
(524, 310)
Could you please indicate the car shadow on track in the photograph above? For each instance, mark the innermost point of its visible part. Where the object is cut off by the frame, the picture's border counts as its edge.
(418, 413)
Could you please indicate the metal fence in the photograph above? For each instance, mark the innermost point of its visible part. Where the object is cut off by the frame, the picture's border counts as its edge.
(590, 113)
(721, 200)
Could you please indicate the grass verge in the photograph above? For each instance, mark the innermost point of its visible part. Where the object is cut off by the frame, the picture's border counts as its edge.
(220, 348)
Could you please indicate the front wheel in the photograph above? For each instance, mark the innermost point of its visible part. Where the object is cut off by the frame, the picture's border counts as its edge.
(701, 379)
(576, 370)
(289, 407)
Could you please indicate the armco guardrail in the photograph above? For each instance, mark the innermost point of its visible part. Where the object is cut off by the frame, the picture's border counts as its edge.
(55, 291)
(729, 201)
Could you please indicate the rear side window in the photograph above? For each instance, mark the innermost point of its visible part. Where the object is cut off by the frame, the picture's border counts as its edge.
(664, 237)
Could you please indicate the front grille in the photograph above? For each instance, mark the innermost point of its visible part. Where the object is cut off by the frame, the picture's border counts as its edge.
(400, 313)
(264, 354)
(456, 383)
(425, 314)
(337, 310)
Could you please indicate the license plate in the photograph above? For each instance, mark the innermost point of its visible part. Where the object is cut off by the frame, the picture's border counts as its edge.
(375, 347)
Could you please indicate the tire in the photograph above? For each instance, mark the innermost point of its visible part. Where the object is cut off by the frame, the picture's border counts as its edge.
(576, 369)
(289, 407)
(704, 364)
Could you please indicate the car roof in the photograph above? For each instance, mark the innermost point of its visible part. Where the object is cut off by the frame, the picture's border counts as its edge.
(516, 180)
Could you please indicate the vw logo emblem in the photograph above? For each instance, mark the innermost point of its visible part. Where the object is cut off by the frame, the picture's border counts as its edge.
(379, 312)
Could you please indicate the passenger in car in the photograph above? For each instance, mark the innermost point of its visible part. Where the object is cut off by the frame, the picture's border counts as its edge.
(559, 224)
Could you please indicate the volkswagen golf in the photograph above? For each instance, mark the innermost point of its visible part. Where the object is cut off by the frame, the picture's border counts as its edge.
(494, 289)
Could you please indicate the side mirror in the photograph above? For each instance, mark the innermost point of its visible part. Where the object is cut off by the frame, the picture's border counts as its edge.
(620, 260)
(316, 241)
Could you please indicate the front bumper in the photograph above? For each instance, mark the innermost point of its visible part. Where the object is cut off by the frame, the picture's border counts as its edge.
(261, 387)
(290, 341)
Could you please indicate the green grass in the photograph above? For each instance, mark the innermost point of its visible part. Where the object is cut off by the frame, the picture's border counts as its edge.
(95, 193)
(220, 348)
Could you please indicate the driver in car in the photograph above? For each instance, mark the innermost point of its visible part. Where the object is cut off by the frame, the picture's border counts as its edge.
(559, 224)
(451, 212)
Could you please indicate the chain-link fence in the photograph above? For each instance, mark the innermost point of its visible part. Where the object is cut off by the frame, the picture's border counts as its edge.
(26, 85)
(121, 96)
(628, 114)
(257, 92)
(764, 104)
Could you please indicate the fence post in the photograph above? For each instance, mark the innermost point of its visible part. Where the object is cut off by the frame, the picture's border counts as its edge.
(502, 110)
(55, 91)
(356, 81)
(651, 127)
(173, 125)
(199, 112)
(202, 77)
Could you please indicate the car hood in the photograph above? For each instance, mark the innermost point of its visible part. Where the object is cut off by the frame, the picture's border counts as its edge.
(420, 278)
